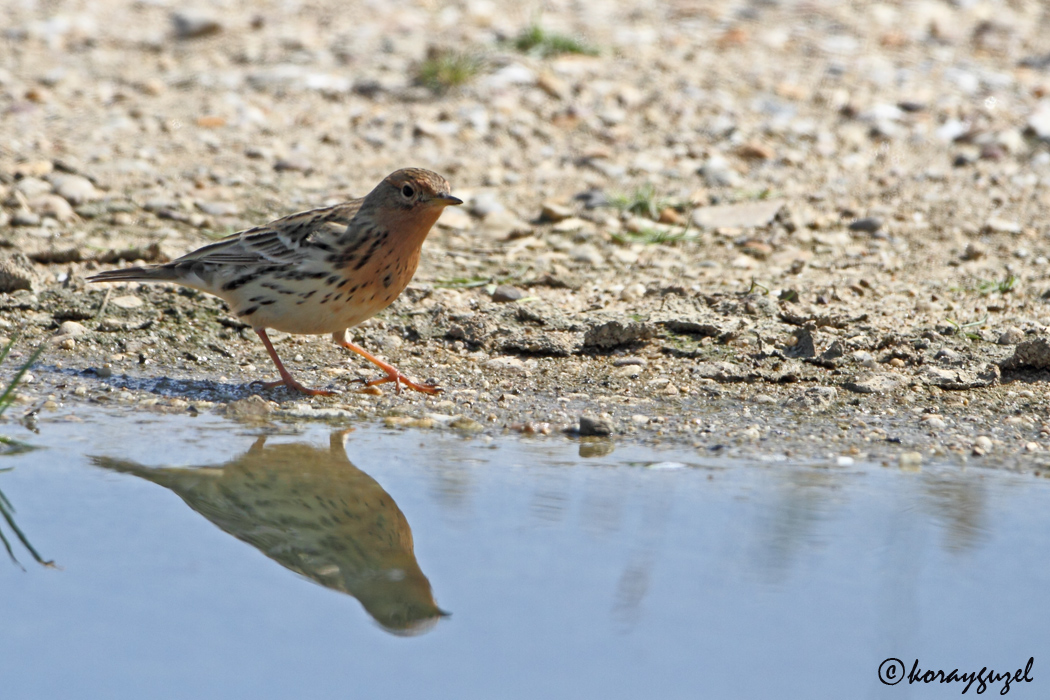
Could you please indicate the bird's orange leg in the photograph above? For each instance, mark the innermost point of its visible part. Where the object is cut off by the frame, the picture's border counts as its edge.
(286, 377)
(392, 375)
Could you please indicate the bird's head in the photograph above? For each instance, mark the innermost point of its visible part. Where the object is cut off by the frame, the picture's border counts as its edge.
(415, 189)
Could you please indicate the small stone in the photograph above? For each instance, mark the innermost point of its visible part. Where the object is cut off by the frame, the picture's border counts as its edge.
(587, 253)
(753, 150)
(16, 272)
(75, 189)
(717, 172)
(982, 445)
(1011, 336)
(455, 218)
(639, 419)
(218, 208)
(867, 225)
(53, 206)
(506, 292)
(1039, 122)
(252, 408)
(629, 361)
(633, 292)
(24, 217)
(590, 424)
(33, 187)
(873, 383)
(193, 25)
(128, 301)
(743, 215)
(613, 334)
(485, 203)
(1032, 447)
(294, 163)
(934, 422)
(997, 225)
(466, 425)
(71, 329)
(553, 212)
(910, 460)
(1029, 354)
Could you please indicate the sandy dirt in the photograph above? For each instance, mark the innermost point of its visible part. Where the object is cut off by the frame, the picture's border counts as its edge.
(813, 230)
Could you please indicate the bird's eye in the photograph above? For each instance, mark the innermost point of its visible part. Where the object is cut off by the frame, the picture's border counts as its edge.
(407, 190)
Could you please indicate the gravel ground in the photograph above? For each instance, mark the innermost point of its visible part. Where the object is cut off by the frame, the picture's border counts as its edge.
(771, 228)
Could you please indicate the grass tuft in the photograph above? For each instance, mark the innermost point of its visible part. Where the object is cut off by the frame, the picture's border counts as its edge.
(535, 40)
(7, 511)
(445, 69)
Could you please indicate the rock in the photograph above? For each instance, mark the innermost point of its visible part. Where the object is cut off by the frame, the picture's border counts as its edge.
(867, 225)
(613, 334)
(1038, 124)
(53, 206)
(190, 24)
(500, 224)
(910, 460)
(70, 329)
(506, 292)
(16, 272)
(294, 163)
(743, 215)
(218, 208)
(75, 189)
(934, 422)
(814, 397)
(485, 203)
(252, 408)
(24, 217)
(592, 425)
(571, 224)
(997, 225)
(629, 361)
(1011, 336)
(1030, 354)
(587, 253)
(553, 212)
(633, 292)
(455, 218)
(128, 301)
(754, 150)
(803, 347)
(717, 172)
(33, 187)
(982, 445)
(873, 383)
(466, 425)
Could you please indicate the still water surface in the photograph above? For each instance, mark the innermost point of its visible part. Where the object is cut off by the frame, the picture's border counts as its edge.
(196, 558)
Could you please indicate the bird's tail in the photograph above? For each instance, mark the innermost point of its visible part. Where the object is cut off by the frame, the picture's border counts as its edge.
(158, 273)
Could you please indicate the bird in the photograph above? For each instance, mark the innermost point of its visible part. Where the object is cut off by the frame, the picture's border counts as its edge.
(314, 512)
(319, 271)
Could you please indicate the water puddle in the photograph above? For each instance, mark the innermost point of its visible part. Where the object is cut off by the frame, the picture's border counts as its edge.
(198, 558)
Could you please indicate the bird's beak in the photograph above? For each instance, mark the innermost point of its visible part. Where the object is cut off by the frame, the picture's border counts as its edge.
(447, 200)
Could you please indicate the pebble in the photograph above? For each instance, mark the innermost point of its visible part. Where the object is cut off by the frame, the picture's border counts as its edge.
(554, 212)
(252, 408)
(910, 460)
(998, 225)
(743, 215)
(639, 419)
(632, 292)
(629, 361)
(53, 206)
(934, 422)
(506, 292)
(587, 253)
(71, 329)
(982, 445)
(24, 217)
(191, 24)
(218, 208)
(455, 218)
(593, 425)
(717, 172)
(33, 187)
(1039, 122)
(485, 203)
(75, 189)
(1011, 336)
(294, 163)
(867, 225)
(128, 301)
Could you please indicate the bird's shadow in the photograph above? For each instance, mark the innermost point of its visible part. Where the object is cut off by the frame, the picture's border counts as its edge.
(190, 389)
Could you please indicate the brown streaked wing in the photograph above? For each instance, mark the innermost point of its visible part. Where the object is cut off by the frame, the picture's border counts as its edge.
(278, 242)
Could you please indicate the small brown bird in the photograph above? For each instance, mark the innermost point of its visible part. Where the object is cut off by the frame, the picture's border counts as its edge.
(319, 271)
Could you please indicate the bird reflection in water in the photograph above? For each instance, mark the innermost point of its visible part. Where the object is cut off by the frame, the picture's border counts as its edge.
(313, 512)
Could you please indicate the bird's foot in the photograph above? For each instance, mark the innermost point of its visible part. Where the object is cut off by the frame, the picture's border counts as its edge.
(400, 379)
(293, 385)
